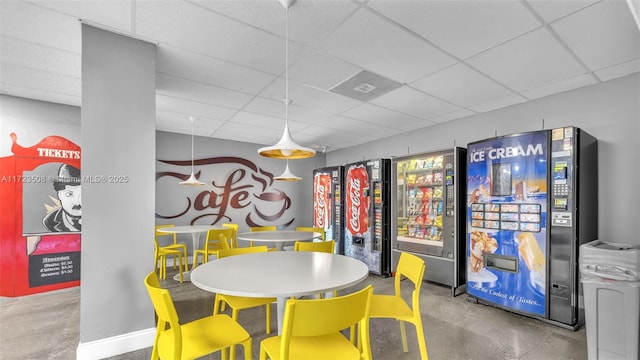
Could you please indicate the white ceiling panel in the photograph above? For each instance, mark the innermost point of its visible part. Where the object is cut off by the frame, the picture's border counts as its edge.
(383, 48)
(461, 85)
(462, 28)
(530, 61)
(600, 44)
(223, 61)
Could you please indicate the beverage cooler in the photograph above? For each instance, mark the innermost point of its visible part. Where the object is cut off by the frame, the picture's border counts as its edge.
(429, 213)
(532, 201)
(367, 224)
(328, 205)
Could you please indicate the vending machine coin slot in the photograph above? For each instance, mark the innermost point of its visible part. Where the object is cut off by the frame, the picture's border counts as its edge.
(500, 262)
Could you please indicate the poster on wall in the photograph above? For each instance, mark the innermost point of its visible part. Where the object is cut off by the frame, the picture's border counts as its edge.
(41, 217)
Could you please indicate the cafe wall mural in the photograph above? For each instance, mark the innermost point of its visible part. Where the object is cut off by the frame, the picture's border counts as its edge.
(41, 216)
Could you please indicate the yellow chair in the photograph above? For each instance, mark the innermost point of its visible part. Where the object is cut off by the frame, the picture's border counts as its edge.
(174, 250)
(217, 239)
(237, 303)
(234, 238)
(325, 246)
(262, 228)
(193, 339)
(311, 329)
(312, 229)
(395, 307)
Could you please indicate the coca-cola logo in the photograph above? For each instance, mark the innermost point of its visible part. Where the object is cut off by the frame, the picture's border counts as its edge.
(238, 186)
(354, 195)
(321, 205)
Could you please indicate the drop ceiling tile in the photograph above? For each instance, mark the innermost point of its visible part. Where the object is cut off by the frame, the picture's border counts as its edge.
(380, 47)
(192, 108)
(560, 86)
(499, 103)
(306, 96)
(276, 109)
(412, 102)
(185, 89)
(239, 135)
(39, 94)
(32, 23)
(552, 10)
(270, 135)
(378, 115)
(114, 14)
(462, 28)
(619, 70)
(202, 126)
(461, 85)
(36, 56)
(201, 68)
(193, 28)
(612, 36)
(532, 60)
(18, 75)
(261, 121)
(458, 114)
(309, 20)
(322, 71)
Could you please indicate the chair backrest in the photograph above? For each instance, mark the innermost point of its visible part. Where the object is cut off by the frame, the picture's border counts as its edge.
(412, 268)
(158, 234)
(263, 228)
(243, 250)
(234, 236)
(166, 311)
(315, 317)
(218, 239)
(312, 229)
(325, 246)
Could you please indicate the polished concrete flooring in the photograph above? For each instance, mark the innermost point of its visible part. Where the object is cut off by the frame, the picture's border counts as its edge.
(46, 326)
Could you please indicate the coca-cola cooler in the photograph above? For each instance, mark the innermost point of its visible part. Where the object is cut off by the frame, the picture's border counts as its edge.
(328, 204)
(367, 210)
(429, 219)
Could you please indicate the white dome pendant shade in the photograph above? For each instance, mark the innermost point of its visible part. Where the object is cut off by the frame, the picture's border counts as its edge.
(192, 179)
(287, 175)
(286, 148)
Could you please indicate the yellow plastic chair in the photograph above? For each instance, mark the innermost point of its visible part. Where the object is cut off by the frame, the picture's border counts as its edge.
(312, 229)
(262, 228)
(311, 329)
(234, 237)
(395, 307)
(217, 239)
(237, 303)
(193, 339)
(325, 246)
(162, 252)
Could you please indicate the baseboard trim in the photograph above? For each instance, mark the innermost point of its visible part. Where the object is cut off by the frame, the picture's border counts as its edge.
(103, 348)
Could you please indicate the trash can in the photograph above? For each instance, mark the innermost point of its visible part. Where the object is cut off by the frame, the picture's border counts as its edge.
(610, 275)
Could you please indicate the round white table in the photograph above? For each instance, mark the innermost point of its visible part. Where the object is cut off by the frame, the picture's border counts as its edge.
(279, 274)
(195, 231)
(279, 237)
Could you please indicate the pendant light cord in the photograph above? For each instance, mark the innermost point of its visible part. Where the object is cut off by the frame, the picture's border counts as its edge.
(286, 68)
(192, 125)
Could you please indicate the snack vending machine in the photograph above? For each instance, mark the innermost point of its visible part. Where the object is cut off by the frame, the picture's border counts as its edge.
(367, 214)
(328, 205)
(532, 201)
(429, 218)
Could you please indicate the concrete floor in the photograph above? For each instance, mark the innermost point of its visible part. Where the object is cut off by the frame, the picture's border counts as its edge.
(46, 326)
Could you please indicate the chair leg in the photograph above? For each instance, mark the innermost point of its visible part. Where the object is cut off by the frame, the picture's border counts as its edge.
(421, 342)
(248, 350)
(232, 350)
(403, 333)
(180, 268)
(268, 317)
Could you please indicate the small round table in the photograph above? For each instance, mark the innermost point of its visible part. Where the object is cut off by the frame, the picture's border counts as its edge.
(279, 237)
(195, 231)
(279, 274)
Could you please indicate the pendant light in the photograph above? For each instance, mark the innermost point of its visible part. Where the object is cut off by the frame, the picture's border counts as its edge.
(192, 179)
(286, 148)
(287, 175)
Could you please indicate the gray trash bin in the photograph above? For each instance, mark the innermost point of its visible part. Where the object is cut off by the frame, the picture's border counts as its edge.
(610, 275)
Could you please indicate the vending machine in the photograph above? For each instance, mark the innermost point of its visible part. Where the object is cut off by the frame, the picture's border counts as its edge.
(328, 204)
(367, 209)
(429, 214)
(532, 200)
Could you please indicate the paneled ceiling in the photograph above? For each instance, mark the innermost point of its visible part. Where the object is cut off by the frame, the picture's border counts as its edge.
(223, 62)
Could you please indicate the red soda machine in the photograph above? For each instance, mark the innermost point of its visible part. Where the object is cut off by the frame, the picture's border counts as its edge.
(328, 204)
(367, 210)
(532, 200)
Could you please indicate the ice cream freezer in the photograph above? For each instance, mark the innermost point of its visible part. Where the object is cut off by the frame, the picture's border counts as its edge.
(428, 211)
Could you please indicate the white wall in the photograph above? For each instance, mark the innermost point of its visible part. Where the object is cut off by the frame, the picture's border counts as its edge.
(610, 111)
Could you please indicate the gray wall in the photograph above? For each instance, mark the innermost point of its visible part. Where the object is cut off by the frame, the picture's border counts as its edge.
(118, 139)
(610, 111)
